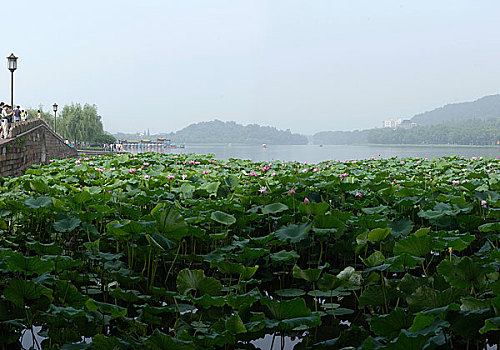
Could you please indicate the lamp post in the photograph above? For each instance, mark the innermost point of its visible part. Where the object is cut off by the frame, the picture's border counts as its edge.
(12, 64)
(54, 106)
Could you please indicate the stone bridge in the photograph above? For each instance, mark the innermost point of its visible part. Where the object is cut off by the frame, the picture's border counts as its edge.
(31, 142)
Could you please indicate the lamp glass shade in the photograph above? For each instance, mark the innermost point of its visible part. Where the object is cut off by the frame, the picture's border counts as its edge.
(12, 62)
(54, 106)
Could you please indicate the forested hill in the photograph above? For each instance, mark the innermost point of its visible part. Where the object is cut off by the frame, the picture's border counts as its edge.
(487, 107)
(217, 131)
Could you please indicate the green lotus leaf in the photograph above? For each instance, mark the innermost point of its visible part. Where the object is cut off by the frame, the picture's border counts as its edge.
(28, 265)
(328, 282)
(293, 233)
(248, 272)
(274, 208)
(313, 208)
(67, 312)
(195, 280)
(114, 310)
(310, 275)
(67, 224)
(463, 273)
(290, 293)
(187, 189)
(221, 235)
(45, 248)
(378, 234)
(374, 210)
(82, 197)
(170, 223)
(414, 245)
(490, 227)
(161, 341)
(286, 309)
(222, 218)
(491, 324)
(39, 186)
(160, 242)
(284, 255)
(375, 259)
(425, 297)
(378, 295)
(37, 203)
(234, 325)
(210, 187)
(390, 325)
(22, 293)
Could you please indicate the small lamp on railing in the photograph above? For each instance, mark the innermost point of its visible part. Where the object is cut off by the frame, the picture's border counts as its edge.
(12, 65)
(54, 106)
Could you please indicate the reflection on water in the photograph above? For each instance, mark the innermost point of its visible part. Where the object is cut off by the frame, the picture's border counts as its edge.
(278, 343)
(315, 154)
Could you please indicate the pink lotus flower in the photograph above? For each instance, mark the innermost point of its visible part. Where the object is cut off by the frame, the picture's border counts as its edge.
(315, 170)
(455, 182)
(110, 191)
(263, 190)
(402, 162)
(253, 173)
(145, 164)
(112, 169)
(146, 177)
(488, 171)
(483, 204)
(184, 176)
(306, 200)
(358, 194)
(206, 171)
(343, 175)
(86, 158)
(273, 174)
(292, 192)
(170, 177)
(133, 170)
(304, 171)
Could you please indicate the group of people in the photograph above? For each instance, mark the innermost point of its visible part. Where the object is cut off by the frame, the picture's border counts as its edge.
(113, 147)
(9, 116)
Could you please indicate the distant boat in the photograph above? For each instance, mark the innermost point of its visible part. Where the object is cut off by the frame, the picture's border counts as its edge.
(264, 145)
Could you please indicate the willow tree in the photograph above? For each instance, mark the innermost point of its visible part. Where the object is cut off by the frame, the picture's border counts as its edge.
(80, 123)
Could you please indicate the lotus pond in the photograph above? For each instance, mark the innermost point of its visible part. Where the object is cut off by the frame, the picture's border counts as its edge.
(186, 252)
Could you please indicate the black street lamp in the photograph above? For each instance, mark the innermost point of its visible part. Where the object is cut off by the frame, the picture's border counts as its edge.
(12, 64)
(54, 106)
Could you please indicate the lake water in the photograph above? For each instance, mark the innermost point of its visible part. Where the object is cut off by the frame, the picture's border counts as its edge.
(316, 153)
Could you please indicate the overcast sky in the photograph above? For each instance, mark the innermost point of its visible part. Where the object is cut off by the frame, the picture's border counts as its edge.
(302, 65)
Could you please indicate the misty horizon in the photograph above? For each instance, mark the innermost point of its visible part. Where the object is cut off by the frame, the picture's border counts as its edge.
(291, 65)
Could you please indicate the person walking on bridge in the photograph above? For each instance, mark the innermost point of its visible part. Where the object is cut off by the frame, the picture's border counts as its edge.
(17, 114)
(6, 120)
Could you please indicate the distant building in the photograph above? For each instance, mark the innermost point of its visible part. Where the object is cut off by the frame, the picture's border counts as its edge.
(398, 123)
(392, 123)
(406, 124)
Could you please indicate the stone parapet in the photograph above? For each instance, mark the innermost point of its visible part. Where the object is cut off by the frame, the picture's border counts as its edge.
(31, 142)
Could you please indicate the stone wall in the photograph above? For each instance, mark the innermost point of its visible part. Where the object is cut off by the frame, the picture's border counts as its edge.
(31, 142)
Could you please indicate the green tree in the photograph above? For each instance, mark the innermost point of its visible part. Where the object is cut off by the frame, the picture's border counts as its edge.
(80, 123)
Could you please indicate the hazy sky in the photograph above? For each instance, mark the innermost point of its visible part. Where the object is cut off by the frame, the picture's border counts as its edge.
(308, 65)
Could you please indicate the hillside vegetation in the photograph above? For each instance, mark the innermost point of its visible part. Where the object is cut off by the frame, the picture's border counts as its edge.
(484, 108)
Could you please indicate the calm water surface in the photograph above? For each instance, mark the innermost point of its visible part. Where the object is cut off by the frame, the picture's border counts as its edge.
(315, 153)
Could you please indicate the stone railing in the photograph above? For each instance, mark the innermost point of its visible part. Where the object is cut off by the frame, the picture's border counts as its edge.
(31, 142)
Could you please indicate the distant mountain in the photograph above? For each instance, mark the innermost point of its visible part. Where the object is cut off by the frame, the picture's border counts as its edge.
(217, 131)
(487, 107)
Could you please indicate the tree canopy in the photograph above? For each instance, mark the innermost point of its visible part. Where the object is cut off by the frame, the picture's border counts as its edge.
(77, 123)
